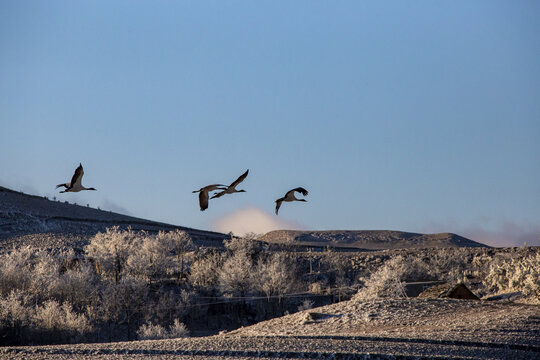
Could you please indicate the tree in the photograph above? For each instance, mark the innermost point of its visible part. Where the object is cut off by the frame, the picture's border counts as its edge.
(275, 275)
(110, 251)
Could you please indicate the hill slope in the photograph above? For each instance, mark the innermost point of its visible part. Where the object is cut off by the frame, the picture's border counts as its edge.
(24, 215)
(368, 239)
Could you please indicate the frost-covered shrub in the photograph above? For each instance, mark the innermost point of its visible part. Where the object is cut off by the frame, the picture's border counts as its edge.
(178, 330)
(55, 316)
(388, 280)
(15, 309)
(152, 332)
(385, 282)
(16, 313)
(60, 322)
(119, 252)
(155, 331)
(515, 274)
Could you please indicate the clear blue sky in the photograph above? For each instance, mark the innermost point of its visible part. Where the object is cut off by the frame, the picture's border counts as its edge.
(417, 116)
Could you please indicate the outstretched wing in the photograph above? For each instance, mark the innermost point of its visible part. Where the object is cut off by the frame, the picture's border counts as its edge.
(215, 187)
(203, 200)
(278, 204)
(240, 179)
(301, 190)
(219, 194)
(77, 177)
(66, 185)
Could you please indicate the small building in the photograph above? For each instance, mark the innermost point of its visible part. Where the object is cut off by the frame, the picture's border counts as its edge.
(447, 290)
(415, 288)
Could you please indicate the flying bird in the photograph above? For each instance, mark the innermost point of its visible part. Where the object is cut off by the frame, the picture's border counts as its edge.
(232, 188)
(289, 196)
(75, 184)
(203, 194)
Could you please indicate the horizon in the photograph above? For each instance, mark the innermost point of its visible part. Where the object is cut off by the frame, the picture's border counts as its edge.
(418, 117)
(263, 222)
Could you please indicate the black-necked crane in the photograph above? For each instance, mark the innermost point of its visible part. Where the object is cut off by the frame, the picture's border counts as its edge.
(289, 196)
(75, 184)
(232, 188)
(203, 194)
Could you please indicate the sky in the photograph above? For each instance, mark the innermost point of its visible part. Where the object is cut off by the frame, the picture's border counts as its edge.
(417, 116)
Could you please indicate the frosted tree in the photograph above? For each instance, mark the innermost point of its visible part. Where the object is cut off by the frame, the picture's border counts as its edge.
(179, 243)
(110, 251)
(16, 269)
(235, 277)
(61, 321)
(77, 285)
(16, 312)
(125, 302)
(205, 270)
(152, 257)
(275, 275)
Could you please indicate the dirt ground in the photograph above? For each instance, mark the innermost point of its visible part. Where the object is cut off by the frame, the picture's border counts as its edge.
(381, 329)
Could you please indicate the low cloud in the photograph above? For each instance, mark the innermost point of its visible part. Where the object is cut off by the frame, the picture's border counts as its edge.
(506, 234)
(252, 219)
(114, 207)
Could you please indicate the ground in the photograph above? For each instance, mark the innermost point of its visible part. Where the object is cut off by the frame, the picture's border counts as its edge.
(385, 329)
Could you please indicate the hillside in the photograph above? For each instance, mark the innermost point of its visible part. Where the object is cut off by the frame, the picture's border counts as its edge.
(23, 215)
(368, 239)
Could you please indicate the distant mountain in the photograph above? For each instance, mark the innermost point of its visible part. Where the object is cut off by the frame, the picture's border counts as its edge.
(368, 239)
(22, 214)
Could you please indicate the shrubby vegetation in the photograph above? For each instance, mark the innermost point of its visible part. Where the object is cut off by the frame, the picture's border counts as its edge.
(128, 285)
(125, 285)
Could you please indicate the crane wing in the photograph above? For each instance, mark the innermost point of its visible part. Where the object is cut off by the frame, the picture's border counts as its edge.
(77, 176)
(203, 200)
(278, 204)
(301, 190)
(240, 179)
(219, 194)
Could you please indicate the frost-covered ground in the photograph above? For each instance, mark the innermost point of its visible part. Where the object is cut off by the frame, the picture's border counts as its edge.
(409, 328)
